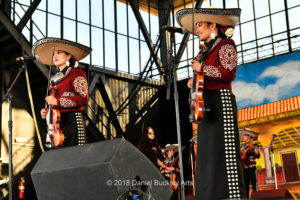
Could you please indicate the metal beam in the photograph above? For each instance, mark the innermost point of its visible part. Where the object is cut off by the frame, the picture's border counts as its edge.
(124, 77)
(5, 6)
(134, 90)
(92, 129)
(164, 8)
(93, 82)
(255, 30)
(139, 114)
(28, 14)
(146, 35)
(288, 26)
(1, 86)
(109, 106)
(11, 28)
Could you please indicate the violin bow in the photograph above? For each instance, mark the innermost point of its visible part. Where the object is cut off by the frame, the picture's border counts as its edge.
(49, 74)
(193, 35)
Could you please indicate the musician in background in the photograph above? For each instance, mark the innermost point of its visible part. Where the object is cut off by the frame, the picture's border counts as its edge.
(149, 146)
(169, 160)
(71, 83)
(249, 153)
(172, 162)
(219, 167)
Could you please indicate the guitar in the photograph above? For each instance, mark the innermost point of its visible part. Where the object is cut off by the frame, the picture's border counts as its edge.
(196, 93)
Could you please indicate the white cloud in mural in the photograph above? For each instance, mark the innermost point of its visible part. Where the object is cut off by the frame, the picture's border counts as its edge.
(280, 70)
(252, 92)
(287, 74)
(271, 92)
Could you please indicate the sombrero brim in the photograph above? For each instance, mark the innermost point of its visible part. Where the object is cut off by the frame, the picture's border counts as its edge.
(224, 17)
(44, 48)
(173, 146)
(248, 132)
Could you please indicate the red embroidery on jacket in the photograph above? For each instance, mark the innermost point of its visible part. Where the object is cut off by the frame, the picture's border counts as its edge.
(64, 102)
(228, 56)
(211, 71)
(81, 86)
(68, 94)
(70, 91)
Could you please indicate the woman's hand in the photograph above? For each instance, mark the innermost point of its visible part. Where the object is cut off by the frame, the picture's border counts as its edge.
(196, 66)
(44, 113)
(190, 82)
(169, 169)
(51, 100)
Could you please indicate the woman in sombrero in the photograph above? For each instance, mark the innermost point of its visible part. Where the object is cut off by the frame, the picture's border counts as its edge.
(219, 170)
(71, 83)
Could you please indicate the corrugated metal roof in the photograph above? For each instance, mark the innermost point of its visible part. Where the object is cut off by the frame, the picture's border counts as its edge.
(269, 109)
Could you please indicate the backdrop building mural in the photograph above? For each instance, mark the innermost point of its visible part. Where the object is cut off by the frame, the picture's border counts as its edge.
(268, 80)
(268, 98)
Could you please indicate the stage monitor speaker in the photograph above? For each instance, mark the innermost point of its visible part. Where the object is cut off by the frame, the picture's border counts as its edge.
(102, 170)
(272, 194)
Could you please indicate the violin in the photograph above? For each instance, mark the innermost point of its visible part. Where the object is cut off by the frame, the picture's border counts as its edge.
(173, 175)
(247, 147)
(55, 136)
(196, 93)
(173, 181)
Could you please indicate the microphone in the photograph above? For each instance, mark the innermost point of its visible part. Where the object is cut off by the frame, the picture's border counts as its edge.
(174, 29)
(27, 58)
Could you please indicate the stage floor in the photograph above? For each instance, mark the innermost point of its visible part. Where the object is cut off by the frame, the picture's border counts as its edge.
(293, 188)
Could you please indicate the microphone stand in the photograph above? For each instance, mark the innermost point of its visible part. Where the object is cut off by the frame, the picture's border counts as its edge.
(8, 96)
(192, 164)
(173, 75)
(273, 157)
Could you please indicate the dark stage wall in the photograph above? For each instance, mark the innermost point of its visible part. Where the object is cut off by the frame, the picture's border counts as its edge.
(168, 127)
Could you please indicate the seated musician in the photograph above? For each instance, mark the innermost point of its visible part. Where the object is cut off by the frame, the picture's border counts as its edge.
(249, 152)
(71, 83)
(149, 146)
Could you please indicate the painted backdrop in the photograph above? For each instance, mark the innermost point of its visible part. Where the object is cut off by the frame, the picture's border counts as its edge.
(267, 80)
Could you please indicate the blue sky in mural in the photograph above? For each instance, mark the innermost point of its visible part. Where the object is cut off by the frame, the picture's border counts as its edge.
(267, 80)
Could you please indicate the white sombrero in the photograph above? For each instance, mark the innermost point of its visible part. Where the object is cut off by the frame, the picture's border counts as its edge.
(224, 17)
(171, 146)
(44, 47)
(252, 134)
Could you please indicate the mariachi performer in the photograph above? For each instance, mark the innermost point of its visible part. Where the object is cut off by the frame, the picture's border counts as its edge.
(218, 168)
(70, 83)
(170, 160)
(249, 153)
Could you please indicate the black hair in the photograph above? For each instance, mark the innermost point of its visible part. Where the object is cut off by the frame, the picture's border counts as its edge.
(145, 141)
(72, 60)
(220, 34)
